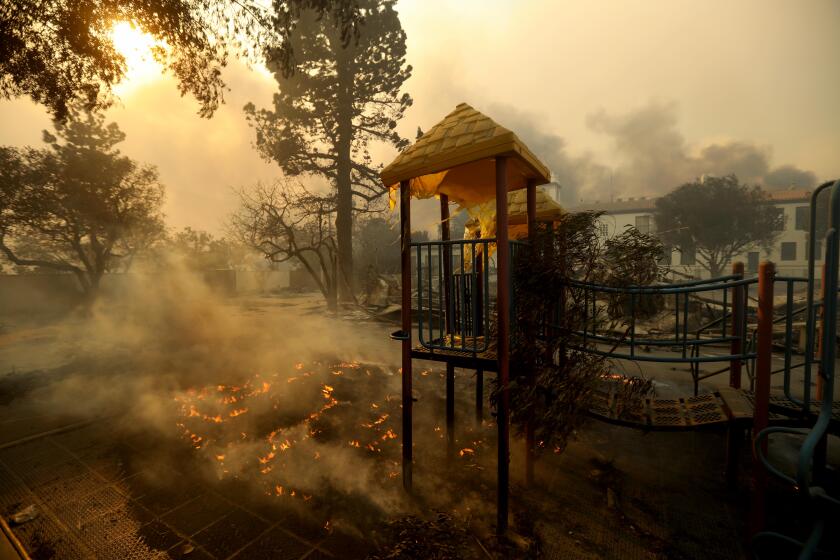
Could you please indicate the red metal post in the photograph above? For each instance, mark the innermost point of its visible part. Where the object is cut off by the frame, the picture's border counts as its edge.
(450, 369)
(447, 260)
(503, 347)
(737, 344)
(530, 443)
(405, 254)
(763, 367)
(479, 322)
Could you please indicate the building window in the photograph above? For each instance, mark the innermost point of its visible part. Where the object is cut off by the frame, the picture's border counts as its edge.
(789, 251)
(752, 261)
(688, 257)
(644, 224)
(603, 229)
(781, 224)
(802, 217)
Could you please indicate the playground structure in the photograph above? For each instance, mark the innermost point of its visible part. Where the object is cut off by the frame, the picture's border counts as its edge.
(469, 159)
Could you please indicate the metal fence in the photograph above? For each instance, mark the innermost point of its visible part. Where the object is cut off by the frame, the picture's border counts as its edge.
(453, 293)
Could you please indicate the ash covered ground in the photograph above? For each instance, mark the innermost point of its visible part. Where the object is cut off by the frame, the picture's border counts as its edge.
(262, 427)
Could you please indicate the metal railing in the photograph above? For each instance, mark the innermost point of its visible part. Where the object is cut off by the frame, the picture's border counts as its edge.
(806, 481)
(453, 293)
(681, 340)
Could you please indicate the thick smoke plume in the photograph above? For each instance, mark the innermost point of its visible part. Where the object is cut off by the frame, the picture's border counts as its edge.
(652, 156)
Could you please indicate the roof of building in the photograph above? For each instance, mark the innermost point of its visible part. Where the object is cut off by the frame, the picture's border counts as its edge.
(456, 157)
(645, 204)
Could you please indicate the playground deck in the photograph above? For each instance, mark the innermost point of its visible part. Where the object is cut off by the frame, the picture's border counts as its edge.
(724, 406)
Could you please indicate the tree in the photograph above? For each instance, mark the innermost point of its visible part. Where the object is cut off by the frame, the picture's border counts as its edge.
(554, 371)
(342, 96)
(203, 251)
(78, 206)
(58, 51)
(717, 218)
(285, 222)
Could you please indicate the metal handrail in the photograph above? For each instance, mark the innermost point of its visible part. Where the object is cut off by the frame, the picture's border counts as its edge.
(688, 347)
(808, 488)
(453, 313)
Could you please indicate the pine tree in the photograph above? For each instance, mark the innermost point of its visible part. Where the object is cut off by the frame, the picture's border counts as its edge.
(342, 97)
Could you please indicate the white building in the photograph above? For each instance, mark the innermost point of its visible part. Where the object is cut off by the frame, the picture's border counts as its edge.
(789, 252)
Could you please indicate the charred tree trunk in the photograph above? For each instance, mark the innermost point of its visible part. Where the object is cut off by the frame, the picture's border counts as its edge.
(344, 184)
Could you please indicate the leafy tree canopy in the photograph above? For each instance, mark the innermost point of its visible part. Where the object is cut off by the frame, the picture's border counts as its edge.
(78, 206)
(718, 218)
(58, 51)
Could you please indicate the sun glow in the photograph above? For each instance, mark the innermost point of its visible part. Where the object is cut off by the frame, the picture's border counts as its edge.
(136, 46)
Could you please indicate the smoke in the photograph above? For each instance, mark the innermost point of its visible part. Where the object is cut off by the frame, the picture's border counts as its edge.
(577, 174)
(651, 155)
(300, 407)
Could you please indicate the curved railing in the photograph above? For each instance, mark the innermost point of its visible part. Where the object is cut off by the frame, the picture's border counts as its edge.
(806, 480)
(686, 342)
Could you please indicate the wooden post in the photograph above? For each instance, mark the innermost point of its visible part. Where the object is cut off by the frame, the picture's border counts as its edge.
(503, 346)
(763, 367)
(737, 345)
(530, 443)
(407, 402)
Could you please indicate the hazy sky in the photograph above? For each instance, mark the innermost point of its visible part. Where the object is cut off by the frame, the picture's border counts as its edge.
(618, 97)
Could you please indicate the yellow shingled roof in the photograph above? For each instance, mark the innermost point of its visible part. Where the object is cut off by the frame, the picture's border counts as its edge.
(483, 218)
(455, 157)
(547, 208)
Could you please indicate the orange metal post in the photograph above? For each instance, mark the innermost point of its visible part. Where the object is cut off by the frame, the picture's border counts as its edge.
(530, 443)
(405, 254)
(766, 277)
(503, 348)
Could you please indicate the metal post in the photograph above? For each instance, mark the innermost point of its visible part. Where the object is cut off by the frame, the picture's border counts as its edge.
(737, 345)
(821, 449)
(405, 248)
(450, 411)
(763, 367)
(447, 259)
(818, 332)
(479, 396)
(530, 443)
(503, 347)
(447, 282)
(735, 433)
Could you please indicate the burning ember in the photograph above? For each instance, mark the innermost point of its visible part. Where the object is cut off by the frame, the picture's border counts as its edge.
(268, 431)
